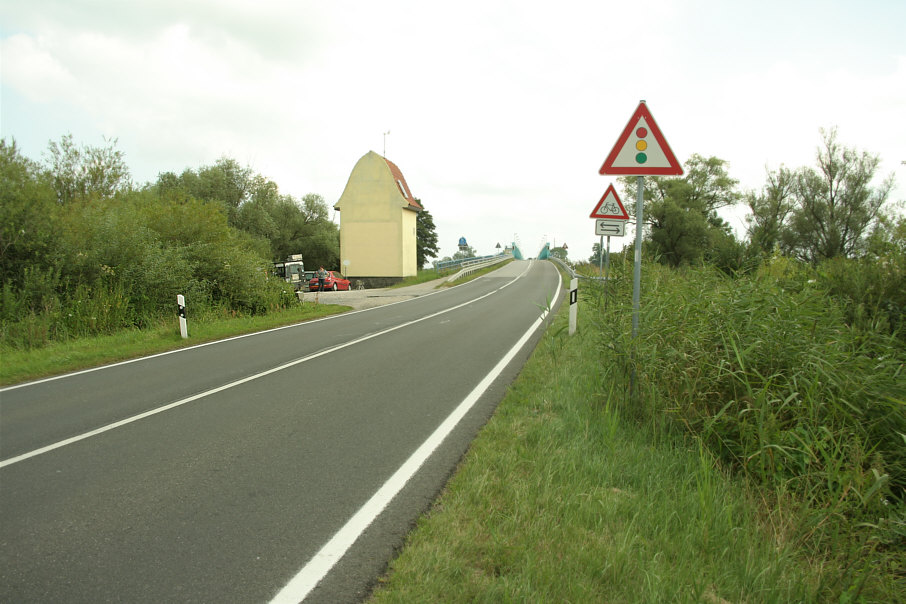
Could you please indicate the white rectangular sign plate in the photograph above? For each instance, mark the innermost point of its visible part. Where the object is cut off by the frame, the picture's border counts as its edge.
(610, 227)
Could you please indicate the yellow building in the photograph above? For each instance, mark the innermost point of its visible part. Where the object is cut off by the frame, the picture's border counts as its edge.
(377, 223)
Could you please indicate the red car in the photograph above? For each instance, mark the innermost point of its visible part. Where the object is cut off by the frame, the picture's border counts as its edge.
(334, 282)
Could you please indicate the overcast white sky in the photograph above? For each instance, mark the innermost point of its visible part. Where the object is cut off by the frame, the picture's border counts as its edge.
(500, 113)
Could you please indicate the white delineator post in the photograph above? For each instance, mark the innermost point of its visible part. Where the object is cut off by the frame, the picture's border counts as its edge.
(181, 302)
(573, 304)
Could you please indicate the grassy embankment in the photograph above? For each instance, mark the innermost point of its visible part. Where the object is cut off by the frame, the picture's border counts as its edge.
(18, 365)
(427, 275)
(757, 462)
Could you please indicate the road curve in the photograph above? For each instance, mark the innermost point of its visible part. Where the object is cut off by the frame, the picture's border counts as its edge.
(220, 472)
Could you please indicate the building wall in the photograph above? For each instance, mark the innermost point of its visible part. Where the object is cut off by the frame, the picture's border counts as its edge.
(377, 226)
(372, 248)
(409, 257)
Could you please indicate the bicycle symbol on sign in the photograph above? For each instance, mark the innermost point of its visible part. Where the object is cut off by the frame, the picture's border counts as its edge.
(611, 208)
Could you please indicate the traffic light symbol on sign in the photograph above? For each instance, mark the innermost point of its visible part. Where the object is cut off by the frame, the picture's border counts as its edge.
(641, 149)
(641, 145)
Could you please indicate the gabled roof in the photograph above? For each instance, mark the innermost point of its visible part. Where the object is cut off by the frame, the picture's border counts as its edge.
(403, 186)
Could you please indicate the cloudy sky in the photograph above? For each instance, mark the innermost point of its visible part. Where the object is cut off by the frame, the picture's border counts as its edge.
(499, 113)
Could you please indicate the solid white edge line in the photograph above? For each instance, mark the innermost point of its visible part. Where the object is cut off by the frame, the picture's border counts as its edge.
(135, 418)
(245, 335)
(317, 568)
(202, 345)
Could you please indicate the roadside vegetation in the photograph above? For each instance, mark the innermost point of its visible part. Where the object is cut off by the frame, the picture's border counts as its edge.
(476, 274)
(748, 448)
(425, 275)
(87, 254)
(749, 445)
(19, 365)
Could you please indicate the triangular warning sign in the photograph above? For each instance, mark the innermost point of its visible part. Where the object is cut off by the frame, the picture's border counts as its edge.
(642, 149)
(610, 206)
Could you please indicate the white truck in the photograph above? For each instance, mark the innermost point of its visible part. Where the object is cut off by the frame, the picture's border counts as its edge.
(292, 270)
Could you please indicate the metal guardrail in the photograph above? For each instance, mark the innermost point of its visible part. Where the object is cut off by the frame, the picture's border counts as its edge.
(572, 273)
(476, 264)
(462, 262)
(566, 267)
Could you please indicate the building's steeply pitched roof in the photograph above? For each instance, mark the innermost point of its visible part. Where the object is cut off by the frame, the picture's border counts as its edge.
(403, 186)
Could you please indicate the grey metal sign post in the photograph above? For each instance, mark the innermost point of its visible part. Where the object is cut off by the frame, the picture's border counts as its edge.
(601, 254)
(611, 219)
(641, 150)
(637, 267)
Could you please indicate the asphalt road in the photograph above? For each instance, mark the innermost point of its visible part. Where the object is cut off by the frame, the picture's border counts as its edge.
(231, 471)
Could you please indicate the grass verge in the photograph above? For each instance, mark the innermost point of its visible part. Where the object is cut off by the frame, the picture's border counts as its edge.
(423, 276)
(426, 275)
(18, 365)
(566, 496)
(479, 273)
(62, 357)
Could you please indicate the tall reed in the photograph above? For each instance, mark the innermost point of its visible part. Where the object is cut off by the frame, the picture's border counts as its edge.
(769, 374)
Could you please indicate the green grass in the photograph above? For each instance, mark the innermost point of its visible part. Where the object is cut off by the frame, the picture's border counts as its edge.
(560, 499)
(61, 357)
(423, 276)
(426, 275)
(479, 273)
(756, 460)
(17, 365)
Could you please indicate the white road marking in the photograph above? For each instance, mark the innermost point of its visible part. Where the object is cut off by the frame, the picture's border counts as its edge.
(317, 568)
(178, 350)
(135, 418)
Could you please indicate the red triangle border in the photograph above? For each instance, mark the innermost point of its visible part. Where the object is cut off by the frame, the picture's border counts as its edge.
(610, 189)
(674, 169)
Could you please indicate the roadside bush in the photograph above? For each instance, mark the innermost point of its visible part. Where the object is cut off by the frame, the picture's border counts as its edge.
(101, 308)
(767, 371)
(872, 291)
(240, 283)
(119, 263)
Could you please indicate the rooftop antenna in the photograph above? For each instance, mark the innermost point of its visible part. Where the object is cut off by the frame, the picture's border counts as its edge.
(385, 143)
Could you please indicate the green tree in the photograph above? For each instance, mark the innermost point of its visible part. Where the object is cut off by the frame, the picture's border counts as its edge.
(559, 252)
(678, 234)
(256, 215)
(468, 252)
(597, 252)
(226, 182)
(725, 251)
(291, 226)
(86, 171)
(835, 204)
(425, 236)
(770, 209)
(317, 236)
(82, 252)
(28, 214)
(279, 224)
(681, 212)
